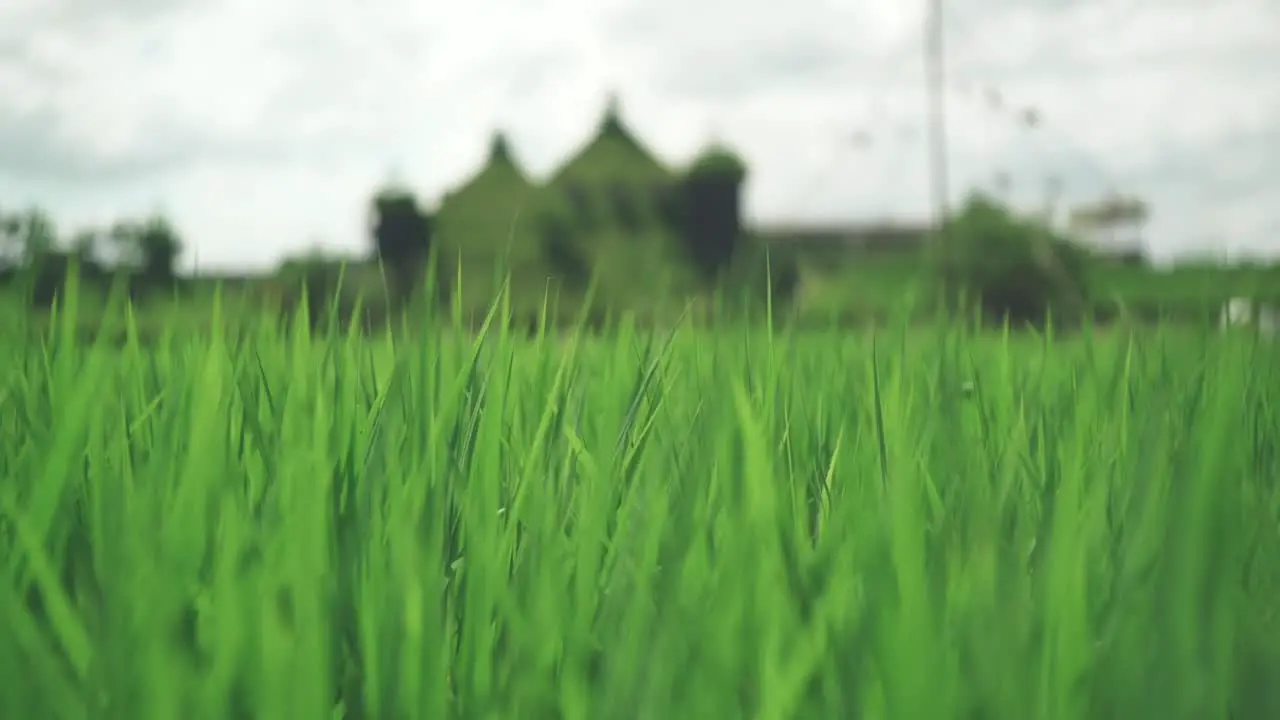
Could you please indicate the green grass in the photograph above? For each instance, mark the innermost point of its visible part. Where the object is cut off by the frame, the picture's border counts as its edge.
(870, 287)
(1190, 284)
(733, 523)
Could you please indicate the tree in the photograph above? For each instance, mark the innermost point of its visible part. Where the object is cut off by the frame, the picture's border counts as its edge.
(401, 232)
(315, 279)
(758, 275)
(28, 236)
(562, 251)
(712, 194)
(161, 247)
(1010, 268)
(12, 244)
(151, 247)
(84, 246)
(34, 255)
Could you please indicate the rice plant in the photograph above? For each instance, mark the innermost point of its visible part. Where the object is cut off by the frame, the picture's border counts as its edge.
(737, 523)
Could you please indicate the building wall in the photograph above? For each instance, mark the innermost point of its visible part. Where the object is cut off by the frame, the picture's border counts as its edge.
(1119, 241)
(867, 238)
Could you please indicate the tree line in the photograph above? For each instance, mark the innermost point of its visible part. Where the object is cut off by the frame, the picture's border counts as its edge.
(143, 253)
(989, 261)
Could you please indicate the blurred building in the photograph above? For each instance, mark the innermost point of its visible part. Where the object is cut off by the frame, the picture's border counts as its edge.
(614, 185)
(1112, 227)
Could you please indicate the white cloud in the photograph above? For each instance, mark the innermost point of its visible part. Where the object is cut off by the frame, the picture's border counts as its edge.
(262, 126)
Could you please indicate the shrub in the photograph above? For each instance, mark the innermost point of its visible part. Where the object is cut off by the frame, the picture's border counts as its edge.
(712, 227)
(331, 292)
(626, 210)
(758, 275)
(582, 212)
(1010, 268)
(45, 278)
(561, 249)
(401, 234)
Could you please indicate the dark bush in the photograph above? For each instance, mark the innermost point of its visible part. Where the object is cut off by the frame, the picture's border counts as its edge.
(150, 249)
(712, 227)
(625, 209)
(1010, 268)
(45, 279)
(757, 276)
(668, 205)
(327, 290)
(561, 250)
(582, 210)
(401, 233)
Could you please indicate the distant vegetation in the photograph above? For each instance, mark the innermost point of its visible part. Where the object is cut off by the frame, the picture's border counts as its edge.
(242, 504)
(641, 238)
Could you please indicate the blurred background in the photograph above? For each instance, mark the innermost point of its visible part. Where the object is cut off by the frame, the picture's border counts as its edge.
(667, 149)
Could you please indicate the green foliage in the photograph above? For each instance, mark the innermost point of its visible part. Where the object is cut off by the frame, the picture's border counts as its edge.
(402, 233)
(86, 246)
(668, 203)
(491, 214)
(586, 215)
(312, 279)
(627, 212)
(712, 227)
(150, 247)
(758, 275)
(562, 249)
(656, 236)
(46, 278)
(1010, 268)
(147, 249)
(336, 292)
(607, 191)
(614, 155)
(719, 163)
(731, 524)
(26, 236)
(33, 257)
(1199, 282)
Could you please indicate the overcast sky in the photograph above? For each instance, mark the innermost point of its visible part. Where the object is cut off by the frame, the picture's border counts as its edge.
(262, 126)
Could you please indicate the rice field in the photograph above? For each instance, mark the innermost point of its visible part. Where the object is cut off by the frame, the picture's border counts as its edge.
(743, 523)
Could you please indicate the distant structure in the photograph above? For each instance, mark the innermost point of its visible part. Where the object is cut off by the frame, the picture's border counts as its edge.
(875, 238)
(615, 186)
(1112, 227)
(1244, 312)
(612, 191)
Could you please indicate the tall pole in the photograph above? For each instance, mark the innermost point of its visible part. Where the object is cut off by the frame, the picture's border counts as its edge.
(935, 88)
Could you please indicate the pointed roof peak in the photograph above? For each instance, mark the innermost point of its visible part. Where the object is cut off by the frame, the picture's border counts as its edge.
(611, 122)
(500, 148)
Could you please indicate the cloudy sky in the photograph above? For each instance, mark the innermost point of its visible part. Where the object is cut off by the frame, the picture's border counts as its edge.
(261, 127)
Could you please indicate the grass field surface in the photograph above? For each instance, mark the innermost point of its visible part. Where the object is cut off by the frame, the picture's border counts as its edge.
(742, 523)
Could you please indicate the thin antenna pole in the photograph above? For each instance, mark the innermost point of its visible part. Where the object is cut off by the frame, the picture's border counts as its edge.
(935, 89)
